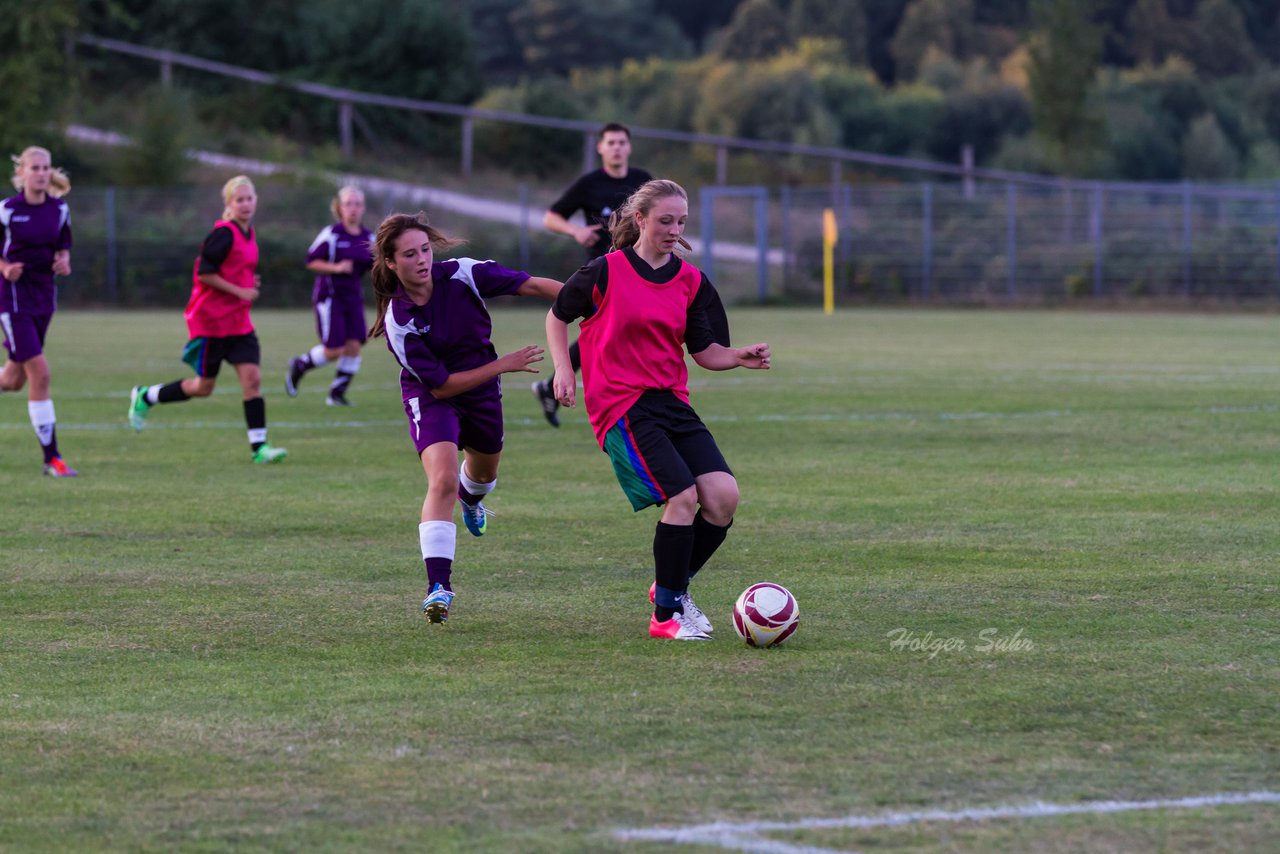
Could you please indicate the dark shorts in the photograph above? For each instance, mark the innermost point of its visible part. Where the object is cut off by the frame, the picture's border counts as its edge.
(24, 333)
(205, 355)
(468, 423)
(659, 448)
(339, 321)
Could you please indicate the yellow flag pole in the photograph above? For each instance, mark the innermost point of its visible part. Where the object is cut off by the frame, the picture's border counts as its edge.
(829, 237)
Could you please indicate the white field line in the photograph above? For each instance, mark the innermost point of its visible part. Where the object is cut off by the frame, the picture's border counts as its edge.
(746, 836)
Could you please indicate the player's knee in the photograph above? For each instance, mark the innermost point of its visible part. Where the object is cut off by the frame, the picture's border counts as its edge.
(685, 502)
(720, 502)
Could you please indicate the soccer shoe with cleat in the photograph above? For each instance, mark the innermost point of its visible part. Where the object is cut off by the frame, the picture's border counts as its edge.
(293, 377)
(138, 407)
(692, 611)
(436, 606)
(679, 627)
(57, 468)
(475, 517)
(268, 454)
(337, 400)
(547, 400)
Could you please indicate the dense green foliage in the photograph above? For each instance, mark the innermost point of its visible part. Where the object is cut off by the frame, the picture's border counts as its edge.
(1131, 89)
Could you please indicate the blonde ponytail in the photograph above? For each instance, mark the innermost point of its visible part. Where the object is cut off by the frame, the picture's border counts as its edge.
(622, 225)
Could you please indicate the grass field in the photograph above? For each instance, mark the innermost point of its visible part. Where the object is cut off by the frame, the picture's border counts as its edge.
(1068, 523)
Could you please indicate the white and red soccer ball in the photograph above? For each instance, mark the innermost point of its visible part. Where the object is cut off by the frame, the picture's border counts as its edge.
(765, 614)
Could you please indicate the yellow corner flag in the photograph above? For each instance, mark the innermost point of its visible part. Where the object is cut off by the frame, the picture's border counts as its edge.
(830, 234)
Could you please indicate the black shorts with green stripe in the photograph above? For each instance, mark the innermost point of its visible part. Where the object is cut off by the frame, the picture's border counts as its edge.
(206, 354)
(659, 448)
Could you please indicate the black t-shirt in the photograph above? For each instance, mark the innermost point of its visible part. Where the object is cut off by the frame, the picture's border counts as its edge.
(216, 248)
(598, 195)
(705, 324)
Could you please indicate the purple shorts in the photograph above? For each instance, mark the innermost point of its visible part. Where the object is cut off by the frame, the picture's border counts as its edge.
(470, 423)
(339, 321)
(24, 333)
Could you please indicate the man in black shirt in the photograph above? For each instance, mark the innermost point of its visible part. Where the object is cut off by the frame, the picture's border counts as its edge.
(597, 194)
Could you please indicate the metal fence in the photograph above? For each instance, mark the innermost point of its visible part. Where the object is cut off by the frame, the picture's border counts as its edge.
(932, 243)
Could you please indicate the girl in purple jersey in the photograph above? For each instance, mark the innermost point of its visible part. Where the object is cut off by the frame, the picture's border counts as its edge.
(35, 236)
(339, 256)
(438, 328)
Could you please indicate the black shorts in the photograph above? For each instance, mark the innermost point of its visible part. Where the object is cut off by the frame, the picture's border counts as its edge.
(659, 448)
(206, 355)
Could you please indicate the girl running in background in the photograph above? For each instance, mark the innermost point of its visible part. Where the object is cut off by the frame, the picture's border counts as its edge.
(225, 283)
(437, 326)
(35, 233)
(641, 303)
(340, 256)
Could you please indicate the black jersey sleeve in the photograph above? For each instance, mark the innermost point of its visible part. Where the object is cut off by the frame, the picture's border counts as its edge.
(572, 200)
(577, 298)
(706, 322)
(215, 249)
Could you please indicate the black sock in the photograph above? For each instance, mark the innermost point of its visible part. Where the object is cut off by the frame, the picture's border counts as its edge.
(255, 416)
(706, 539)
(172, 393)
(338, 387)
(575, 357)
(672, 545)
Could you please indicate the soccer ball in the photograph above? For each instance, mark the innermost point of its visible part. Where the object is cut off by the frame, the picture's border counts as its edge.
(765, 614)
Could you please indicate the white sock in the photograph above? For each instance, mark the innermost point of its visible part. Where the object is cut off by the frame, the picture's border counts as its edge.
(438, 539)
(349, 364)
(42, 419)
(471, 486)
(317, 355)
(152, 394)
(257, 435)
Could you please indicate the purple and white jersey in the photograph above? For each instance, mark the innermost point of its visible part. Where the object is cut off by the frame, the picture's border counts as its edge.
(450, 334)
(333, 244)
(31, 234)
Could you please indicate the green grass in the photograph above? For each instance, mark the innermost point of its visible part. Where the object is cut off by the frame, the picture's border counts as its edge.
(199, 654)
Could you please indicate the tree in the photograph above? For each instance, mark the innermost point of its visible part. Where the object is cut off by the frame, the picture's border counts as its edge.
(1207, 154)
(1220, 44)
(1063, 57)
(946, 25)
(556, 37)
(1154, 33)
(34, 75)
(844, 20)
(758, 30)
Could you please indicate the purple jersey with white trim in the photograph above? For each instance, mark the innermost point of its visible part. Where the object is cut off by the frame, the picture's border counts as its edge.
(30, 235)
(333, 244)
(451, 333)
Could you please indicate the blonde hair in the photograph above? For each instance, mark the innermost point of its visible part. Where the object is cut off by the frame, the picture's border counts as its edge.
(229, 193)
(622, 225)
(59, 183)
(336, 205)
(384, 280)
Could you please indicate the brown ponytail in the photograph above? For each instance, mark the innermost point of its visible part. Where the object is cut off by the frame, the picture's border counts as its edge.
(622, 225)
(386, 284)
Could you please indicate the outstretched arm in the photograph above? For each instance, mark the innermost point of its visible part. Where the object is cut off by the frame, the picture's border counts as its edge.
(520, 360)
(563, 384)
(720, 358)
(536, 286)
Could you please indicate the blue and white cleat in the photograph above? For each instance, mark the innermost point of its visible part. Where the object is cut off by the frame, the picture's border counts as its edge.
(474, 516)
(436, 606)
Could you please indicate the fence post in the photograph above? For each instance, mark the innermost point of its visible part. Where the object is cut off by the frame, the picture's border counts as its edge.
(468, 145)
(1095, 234)
(926, 272)
(762, 244)
(345, 138)
(785, 206)
(1186, 239)
(722, 165)
(966, 163)
(109, 214)
(524, 226)
(588, 151)
(166, 74)
(1278, 233)
(706, 197)
(1011, 238)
